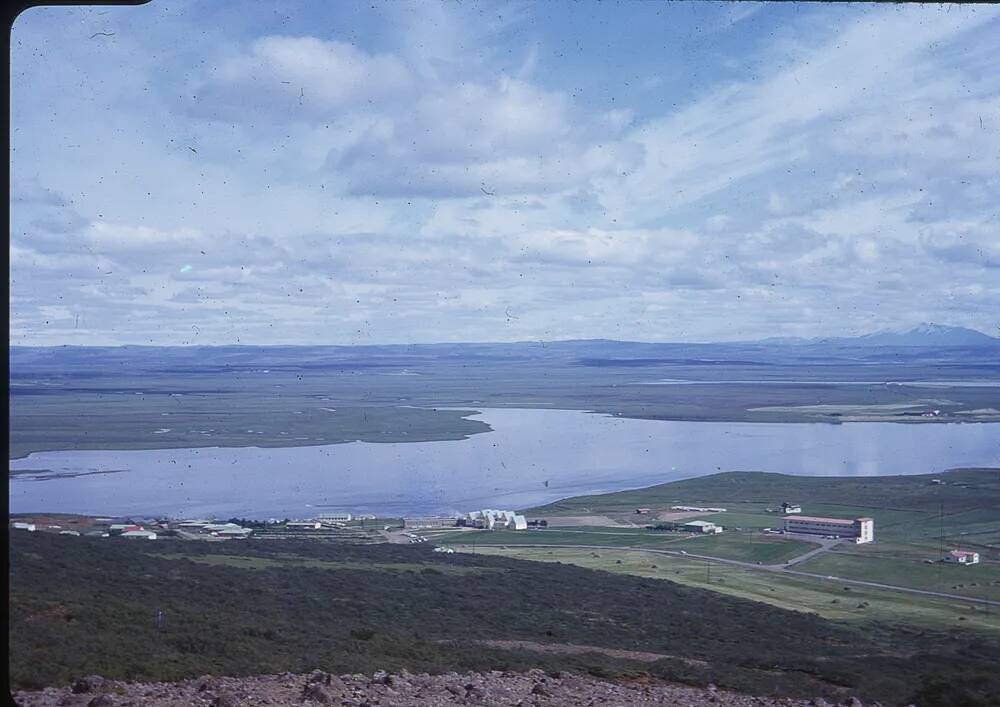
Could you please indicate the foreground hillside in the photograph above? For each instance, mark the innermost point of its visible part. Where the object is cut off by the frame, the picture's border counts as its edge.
(82, 606)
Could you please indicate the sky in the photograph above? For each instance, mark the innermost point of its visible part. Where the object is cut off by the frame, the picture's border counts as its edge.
(205, 173)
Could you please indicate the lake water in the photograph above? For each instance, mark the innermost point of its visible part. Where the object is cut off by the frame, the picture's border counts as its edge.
(575, 452)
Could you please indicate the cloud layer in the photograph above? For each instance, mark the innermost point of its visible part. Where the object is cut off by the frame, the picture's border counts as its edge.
(458, 176)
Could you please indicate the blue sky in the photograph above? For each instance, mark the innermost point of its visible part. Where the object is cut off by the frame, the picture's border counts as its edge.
(296, 172)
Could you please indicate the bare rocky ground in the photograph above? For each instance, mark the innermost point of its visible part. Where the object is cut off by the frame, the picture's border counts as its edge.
(496, 689)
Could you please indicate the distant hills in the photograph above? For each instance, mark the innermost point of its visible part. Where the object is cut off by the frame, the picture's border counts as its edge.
(924, 335)
(922, 342)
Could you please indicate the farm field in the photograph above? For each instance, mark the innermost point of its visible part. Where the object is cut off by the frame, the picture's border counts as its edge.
(620, 537)
(748, 547)
(857, 605)
(980, 581)
(756, 491)
(917, 518)
(908, 510)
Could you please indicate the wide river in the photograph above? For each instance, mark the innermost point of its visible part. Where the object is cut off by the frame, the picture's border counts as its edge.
(530, 457)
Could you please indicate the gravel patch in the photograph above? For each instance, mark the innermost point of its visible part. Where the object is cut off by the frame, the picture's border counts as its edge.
(494, 689)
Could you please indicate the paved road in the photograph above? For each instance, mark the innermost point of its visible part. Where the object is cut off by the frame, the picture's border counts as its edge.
(824, 545)
(769, 568)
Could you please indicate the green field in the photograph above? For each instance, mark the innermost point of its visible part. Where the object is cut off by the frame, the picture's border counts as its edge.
(980, 581)
(965, 491)
(749, 547)
(618, 537)
(735, 546)
(916, 520)
(827, 599)
(909, 511)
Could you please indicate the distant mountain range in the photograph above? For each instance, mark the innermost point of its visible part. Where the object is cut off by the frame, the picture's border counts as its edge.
(925, 335)
(926, 341)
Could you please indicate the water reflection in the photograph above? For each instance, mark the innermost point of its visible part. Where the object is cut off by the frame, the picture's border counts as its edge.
(575, 452)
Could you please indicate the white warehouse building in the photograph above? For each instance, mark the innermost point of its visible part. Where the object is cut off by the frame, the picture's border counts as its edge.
(861, 530)
(701, 526)
(489, 519)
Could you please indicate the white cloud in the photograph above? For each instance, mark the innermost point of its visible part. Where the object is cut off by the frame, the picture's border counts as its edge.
(506, 137)
(299, 78)
(112, 237)
(427, 181)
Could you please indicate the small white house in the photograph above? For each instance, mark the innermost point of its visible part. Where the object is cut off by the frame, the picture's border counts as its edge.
(69, 532)
(962, 557)
(30, 527)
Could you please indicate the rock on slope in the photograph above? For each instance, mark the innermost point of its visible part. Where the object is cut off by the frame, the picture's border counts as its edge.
(498, 689)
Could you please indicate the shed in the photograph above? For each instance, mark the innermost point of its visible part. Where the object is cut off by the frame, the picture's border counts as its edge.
(140, 534)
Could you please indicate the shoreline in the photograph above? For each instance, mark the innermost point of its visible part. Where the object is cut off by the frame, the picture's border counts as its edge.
(278, 442)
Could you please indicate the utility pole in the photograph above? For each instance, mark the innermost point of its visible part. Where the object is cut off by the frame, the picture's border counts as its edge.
(941, 552)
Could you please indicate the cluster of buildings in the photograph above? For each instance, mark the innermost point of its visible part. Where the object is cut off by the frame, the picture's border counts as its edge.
(131, 530)
(213, 529)
(962, 557)
(786, 508)
(97, 528)
(489, 519)
(691, 526)
(698, 509)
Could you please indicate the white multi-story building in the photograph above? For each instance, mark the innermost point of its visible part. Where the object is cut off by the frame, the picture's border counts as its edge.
(861, 530)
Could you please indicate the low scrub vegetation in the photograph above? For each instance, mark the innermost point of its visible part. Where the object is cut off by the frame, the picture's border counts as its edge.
(82, 605)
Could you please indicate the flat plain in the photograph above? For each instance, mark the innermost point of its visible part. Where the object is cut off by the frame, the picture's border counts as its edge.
(168, 398)
(918, 519)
